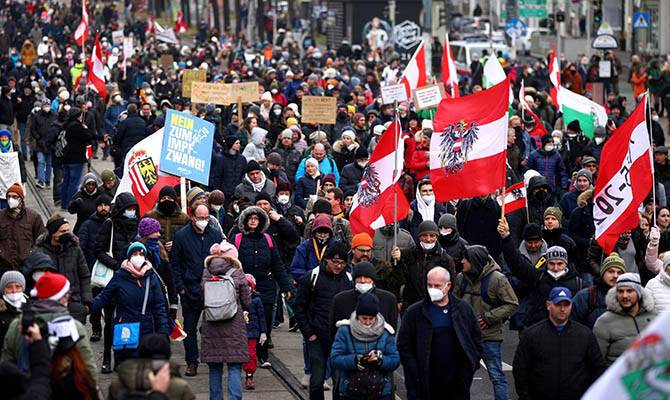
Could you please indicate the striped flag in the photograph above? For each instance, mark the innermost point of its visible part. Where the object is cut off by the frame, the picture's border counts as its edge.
(449, 74)
(96, 76)
(81, 34)
(515, 198)
(414, 75)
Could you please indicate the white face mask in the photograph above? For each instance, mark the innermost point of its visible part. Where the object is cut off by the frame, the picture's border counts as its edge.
(216, 207)
(362, 164)
(137, 261)
(549, 147)
(201, 224)
(66, 107)
(13, 203)
(557, 275)
(277, 111)
(572, 135)
(435, 294)
(283, 199)
(363, 287)
(15, 299)
(428, 198)
(427, 246)
(655, 118)
(599, 140)
(446, 232)
(37, 275)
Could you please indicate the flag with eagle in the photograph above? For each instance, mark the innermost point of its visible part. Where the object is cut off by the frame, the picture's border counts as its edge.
(468, 145)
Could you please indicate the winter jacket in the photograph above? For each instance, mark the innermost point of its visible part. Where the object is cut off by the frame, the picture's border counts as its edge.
(245, 189)
(341, 230)
(6, 109)
(216, 167)
(351, 177)
(414, 217)
(77, 138)
(454, 244)
(576, 148)
(255, 149)
(382, 243)
(39, 130)
(226, 341)
(326, 166)
(478, 221)
(233, 172)
(502, 299)
(18, 234)
(88, 233)
(132, 379)
(171, 224)
(189, 250)
(259, 260)
(126, 293)
(343, 155)
(550, 165)
(616, 328)
(130, 132)
(346, 347)
(581, 226)
(552, 366)
(256, 318)
(536, 204)
(589, 303)
(305, 258)
(345, 303)
(660, 291)
(305, 187)
(111, 118)
(69, 261)
(290, 160)
(7, 314)
(415, 265)
(83, 203)
(568, 203)
(414, 344)
(124, 231)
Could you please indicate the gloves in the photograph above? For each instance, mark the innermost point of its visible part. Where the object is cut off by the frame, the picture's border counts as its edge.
(360, 362)
(262, 339)
(654, 236)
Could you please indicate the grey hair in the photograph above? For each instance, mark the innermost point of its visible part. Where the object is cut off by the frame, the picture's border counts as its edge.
(440, 270)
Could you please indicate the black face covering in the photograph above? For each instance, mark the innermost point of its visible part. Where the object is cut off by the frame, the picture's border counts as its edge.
(387, 230)
(541, 195)
(167, 207)
(64, 239)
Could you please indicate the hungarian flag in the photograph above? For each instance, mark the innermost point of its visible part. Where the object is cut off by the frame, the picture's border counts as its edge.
(141, 174)
(515, 197)
(468, 145)
(449, 74)
(180, 25)
(81, 34)
(96, 70)
(414, 75)
(624, 179)
(372, 205)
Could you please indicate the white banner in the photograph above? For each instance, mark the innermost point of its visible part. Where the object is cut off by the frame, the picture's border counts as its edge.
(10, 172)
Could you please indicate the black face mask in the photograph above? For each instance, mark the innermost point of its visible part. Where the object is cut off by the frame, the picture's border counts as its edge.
(167, 207)
(541, 195)
(64, 239)
(387, 230)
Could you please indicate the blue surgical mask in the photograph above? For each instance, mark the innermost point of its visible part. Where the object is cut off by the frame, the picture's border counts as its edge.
(130, 214)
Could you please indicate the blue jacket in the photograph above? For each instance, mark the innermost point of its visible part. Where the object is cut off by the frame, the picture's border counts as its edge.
(304, 258)
(568, 203)
(125, 292)
(589, 303)
(189, 250)
(112, 117)
(87, 235)
(256, 324)
(551, 166)
(346, 347)
(326, 166)
(305, 187)
(233, 172)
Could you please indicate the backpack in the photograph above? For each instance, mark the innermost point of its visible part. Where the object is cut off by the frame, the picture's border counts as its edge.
(220, 298)
(483, 289)
(61, 144)
(268, 238)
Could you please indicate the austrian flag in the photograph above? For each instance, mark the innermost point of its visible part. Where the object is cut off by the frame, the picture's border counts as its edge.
(624, 179)
(515, 198)
(414, 75)
(468, 145)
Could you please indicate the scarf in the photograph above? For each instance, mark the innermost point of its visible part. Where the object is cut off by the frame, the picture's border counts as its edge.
(258, 187)
(427, 211)
(135, 272)
(366, 333)
(153, 246)
(7, 149)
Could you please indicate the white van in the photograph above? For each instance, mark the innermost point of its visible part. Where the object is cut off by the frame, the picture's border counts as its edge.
(464, 50)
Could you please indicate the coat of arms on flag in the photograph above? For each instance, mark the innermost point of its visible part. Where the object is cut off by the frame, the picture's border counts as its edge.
(369, 191)
(143, 171)
(456, 141)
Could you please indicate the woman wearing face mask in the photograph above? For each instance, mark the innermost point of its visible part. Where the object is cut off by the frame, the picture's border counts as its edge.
(547, 161)
(344, 150)
(308, 254)
(136, 295)
(277, 122)
(12, 286)
(365, 345)
(309, 184)
(83, 202)
(286, 207)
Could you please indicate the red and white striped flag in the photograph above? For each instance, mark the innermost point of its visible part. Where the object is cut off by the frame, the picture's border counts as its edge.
(468, 145)
(150, 26)
(539, 129)
(515, 197)
(372, 205)
(414, 75)
(554, 77)
(96, 70)
(449, 74)
(180, 25)
(624, 179)
(81, 34)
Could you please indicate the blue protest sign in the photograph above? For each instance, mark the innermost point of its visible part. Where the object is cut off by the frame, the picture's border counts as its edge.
(187, 146)
(515, 28)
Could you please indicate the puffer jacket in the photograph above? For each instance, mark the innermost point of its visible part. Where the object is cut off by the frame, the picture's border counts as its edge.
(124, 231)
(233, 172)
(255, 149)
(351, 177)
(39, 130)
(343, 155)
(549, 165)
(305, 187)
(415, 266)
(503, 300)
(259, 260)
(616, 328)
(87, 235)
(290, 160)
(83, 203)
(305, 258)
(18, 234)
(256, 323)
(660, 291)
(226, 341)
(130, 132)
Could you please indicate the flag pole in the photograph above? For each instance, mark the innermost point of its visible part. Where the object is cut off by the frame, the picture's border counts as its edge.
(395, 173)
(651, 149)
(523, 101)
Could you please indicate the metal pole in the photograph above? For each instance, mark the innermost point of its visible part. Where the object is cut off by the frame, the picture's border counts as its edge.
(395, 173)
(651, 150)
(589, 27)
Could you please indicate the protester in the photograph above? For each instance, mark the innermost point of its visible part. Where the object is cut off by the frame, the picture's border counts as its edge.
(20, 227)
(256, 332)
(13, 286)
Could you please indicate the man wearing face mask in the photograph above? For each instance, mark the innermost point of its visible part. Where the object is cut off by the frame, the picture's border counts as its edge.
(553, 271)
(19, 229)
(440, 343)
(309, 253)
(451, 240)
(416, 264)
(90, 228)
(540, 196)
(547, 161)
(599, 138)
(583, 182)
(576, 145)
(12, 286)
(63, 247)
(424, 208)
(83, 202)
(169, 214)
(477, 218)
(281, 229)
(352, 173)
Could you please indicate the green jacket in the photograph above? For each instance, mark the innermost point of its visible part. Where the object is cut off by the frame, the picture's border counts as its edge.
(127, 380)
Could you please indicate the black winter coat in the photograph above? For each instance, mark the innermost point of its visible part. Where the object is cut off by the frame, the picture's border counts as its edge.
(455, 247)
(39, 129)
(83, 205)
(552, 366)
(414, 344)
(77, 138)
(130, 132)
(216, 167)
(345, 303)
(233, 172)
(478, 223)
(415, 266)
(125, 231)
(290, 161)
(69, 261)
(351, 177)
(88, 233)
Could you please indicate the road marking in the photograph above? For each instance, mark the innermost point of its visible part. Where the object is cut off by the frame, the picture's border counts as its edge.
(505, 367)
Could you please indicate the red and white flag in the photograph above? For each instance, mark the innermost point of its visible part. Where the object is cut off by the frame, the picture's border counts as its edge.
(414, 75)
(449, 74)
(554, 77)
(372, 205)
(96, 70)
(150, 26)
(624, 179)
(468, 145)
(180, 25)
(81, 34)
(539, 129)
(515, 197)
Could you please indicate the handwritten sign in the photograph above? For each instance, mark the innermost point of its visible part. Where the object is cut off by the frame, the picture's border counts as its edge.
(190, 76)
(117, 37)
(428, 96)
(319, 109)
(166, 61)
(128, 49)
(247, 92)
(393, 93)
(187, 146)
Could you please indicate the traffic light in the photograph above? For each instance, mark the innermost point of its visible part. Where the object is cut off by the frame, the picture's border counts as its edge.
(560, 16)
(443, 17)
(597, 12)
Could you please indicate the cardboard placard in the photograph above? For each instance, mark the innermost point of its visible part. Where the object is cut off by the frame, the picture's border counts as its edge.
(247, 92)
(393, 93)
(319, 109)
(428, 96)
(128, 49)
(117, 37)
(214, 93)
(166, 61)
(190, 76)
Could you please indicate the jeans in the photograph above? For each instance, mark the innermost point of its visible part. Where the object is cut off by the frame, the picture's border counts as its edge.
(71, 179)
(191, 311)
(43, 167)
(493, 360)
(24, 143)
(216, 381)
(318, 358)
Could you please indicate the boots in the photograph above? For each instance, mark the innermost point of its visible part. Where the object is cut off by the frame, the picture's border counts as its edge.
(107, 365)
(249, 382)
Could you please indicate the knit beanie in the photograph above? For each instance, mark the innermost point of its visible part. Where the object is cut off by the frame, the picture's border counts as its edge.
(322, 206)
(574, 126)
(216, 197)
(586, 174)
(136, 246)
(531, 231)
(631, 280)
(12, 277)
(554, 212)
(147, 226)
(230, 141)
(361, 239)
(448, 221)
(368, 305)
(252, 281)
(155, 346)
(169, 191)
(103, 199)
(263, 196)
(337, 250)
(330, 178)
(283, 186)
(194, 194)
(253, 165)
(364, 268)
(557, 253)
(51, 286)
(427, 227)
(274, 158)
(107, 175)
(612, 261)
(17, 189)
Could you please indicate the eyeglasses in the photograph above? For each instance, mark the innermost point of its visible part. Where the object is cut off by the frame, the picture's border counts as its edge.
(337, 262)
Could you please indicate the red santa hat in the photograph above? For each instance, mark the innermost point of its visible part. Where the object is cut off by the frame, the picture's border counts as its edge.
(51, 286)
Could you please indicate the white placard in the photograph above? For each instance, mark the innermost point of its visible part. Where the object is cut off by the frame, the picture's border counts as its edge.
(605, 69)
(392, 93)
(117, 37)
(128, 50)
(428, 97)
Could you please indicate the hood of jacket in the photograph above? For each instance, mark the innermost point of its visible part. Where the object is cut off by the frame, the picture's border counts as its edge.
(221, 268)
(646, 302)
(258, 136)
(264, 220)
(584, 198)
(123, 201)
(44, 241)
(537, 182)
(88, 177)
(479, 258)
(37, 260)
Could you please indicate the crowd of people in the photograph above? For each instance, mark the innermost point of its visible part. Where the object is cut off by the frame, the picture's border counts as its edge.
(268, 237)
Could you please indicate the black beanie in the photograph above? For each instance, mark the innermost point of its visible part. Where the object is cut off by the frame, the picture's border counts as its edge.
(368, 304)
(155, 346)
(337, 250)
(263, 196)
(253, 165)
(168, 190)
(532, 231)
(103, 199)
(322, 206)
(547, 139)
(230, 141)
(574, 126)
(364, 268)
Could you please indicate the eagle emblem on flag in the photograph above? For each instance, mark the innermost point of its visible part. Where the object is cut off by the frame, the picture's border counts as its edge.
(369, 190)
(517, 194)
(143, 172)
(456, 140)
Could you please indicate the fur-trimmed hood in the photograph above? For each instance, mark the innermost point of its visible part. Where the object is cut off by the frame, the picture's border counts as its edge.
(583, 199)
(647, 303)
(264, 220)
(231, 262)
(345, 322)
